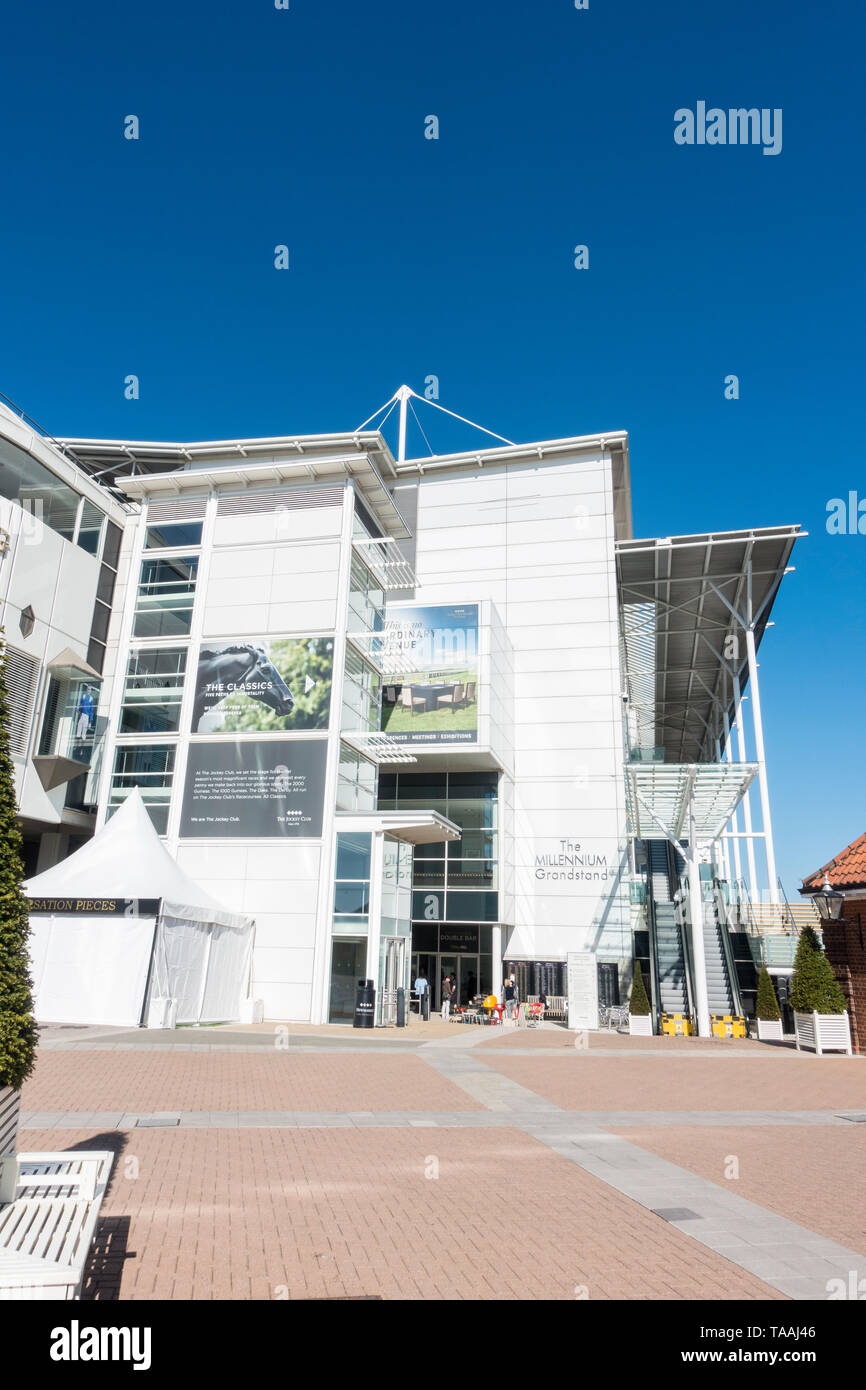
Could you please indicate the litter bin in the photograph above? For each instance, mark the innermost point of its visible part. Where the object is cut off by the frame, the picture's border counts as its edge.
(401, 1007)
(425, 1004)
(365, 1004)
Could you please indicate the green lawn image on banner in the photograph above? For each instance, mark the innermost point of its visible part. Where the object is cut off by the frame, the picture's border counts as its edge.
(432, 697)
(263, 684)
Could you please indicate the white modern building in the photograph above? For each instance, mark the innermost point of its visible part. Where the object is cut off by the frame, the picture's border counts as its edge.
(430, 715)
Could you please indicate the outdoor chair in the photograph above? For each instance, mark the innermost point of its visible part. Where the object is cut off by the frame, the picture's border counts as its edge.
(469, 697)
(451, 701)
(409, 700)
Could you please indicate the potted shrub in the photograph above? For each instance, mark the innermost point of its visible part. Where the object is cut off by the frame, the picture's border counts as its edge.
(767, 1009)
(820, 1010)
(639, 1009)
(18, 1030)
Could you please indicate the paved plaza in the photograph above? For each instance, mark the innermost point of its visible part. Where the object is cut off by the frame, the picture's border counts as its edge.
(443, 1162)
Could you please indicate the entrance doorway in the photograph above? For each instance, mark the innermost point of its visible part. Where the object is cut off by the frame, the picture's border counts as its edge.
(436, 967)
(348, 965)
(393, 977)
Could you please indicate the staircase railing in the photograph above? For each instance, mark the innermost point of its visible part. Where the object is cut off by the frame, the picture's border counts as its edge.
(721, 914)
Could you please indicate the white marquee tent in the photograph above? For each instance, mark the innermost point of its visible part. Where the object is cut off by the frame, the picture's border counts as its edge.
(118, 926)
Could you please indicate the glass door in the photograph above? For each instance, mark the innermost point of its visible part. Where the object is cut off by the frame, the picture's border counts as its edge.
(348, 966)
(447, 966)
(467, 978)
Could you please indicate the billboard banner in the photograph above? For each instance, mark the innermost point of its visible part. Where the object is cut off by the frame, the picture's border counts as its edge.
(254, 789)
(263, 684)
(432, 695)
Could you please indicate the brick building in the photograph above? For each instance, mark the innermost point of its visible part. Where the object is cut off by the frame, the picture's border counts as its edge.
(844, 940)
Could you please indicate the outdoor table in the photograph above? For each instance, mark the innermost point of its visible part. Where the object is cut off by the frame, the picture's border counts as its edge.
(430, 693)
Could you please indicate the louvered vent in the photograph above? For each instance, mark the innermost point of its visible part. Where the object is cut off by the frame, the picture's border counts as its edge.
(177, 509)
(289, 499)
(21, 673)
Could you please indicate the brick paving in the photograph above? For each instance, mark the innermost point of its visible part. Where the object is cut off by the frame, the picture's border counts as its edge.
(263, 1214)
(811, 1176)
(542, 1038)
(777, 1081)
(134, 1080)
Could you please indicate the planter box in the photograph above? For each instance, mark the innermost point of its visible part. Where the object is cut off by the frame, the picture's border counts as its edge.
(10, 1107)
(770, 1029)
(640, 1025)
(823, 1032)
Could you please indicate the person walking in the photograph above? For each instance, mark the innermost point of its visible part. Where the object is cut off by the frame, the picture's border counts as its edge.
(446, 996)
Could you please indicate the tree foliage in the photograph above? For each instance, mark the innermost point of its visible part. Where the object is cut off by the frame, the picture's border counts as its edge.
(767, 1005)
(18, 1031)
(815, 988)
(639, 1003)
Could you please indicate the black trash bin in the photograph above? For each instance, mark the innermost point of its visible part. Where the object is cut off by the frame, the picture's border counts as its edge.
(425, 1004)
(365, 1004)
(401, 1007)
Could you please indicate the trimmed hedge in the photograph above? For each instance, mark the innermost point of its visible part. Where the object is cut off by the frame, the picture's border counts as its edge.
(18, 1030)
(767, 1005)
(638, 1004)
(815, 988)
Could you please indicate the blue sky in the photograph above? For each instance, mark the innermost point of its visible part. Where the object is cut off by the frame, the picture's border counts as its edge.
(412, 257)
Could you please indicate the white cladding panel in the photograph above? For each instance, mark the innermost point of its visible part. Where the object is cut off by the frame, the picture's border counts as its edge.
(537, 542)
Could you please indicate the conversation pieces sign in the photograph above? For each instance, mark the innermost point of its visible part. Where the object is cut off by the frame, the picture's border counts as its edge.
(432, 697)
(261, 684)
(256, 789)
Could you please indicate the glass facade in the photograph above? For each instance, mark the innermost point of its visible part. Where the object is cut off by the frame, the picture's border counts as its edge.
(454, 886)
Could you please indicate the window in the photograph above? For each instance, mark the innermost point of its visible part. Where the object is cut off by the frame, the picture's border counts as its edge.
(366, 599)
(20, 672)
(166, 593)
(39, 491)
(149, 767)
(153, 690)
(69, 722)
(361, 691)
(352, 883)
(90, 528)
(356, 782)
(104, 595)
(173, 534)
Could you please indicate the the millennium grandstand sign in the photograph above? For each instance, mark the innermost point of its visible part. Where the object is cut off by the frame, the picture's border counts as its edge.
(91, 907)
(572, 861)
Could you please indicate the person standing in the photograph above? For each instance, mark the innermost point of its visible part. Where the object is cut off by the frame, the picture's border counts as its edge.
(510, 995)
(422, 986)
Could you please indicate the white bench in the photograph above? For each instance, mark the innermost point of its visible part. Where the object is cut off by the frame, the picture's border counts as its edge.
(46, 1233)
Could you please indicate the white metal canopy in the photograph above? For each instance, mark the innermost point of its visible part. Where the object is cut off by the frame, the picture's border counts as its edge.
(658, 797)
(677, 596)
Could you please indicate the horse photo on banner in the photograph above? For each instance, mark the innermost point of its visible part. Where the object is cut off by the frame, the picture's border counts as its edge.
(263, 684)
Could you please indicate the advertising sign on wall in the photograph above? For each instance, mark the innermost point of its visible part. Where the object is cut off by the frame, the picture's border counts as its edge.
(432, 695)
(254, 789)
(258, 684)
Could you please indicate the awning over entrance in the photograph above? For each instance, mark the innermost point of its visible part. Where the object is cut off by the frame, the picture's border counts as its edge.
(658, 796)
(412, 827)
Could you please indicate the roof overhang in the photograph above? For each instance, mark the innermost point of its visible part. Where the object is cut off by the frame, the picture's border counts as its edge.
(679, 676)
(150, 468)
(225, 475)
(658, 797)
